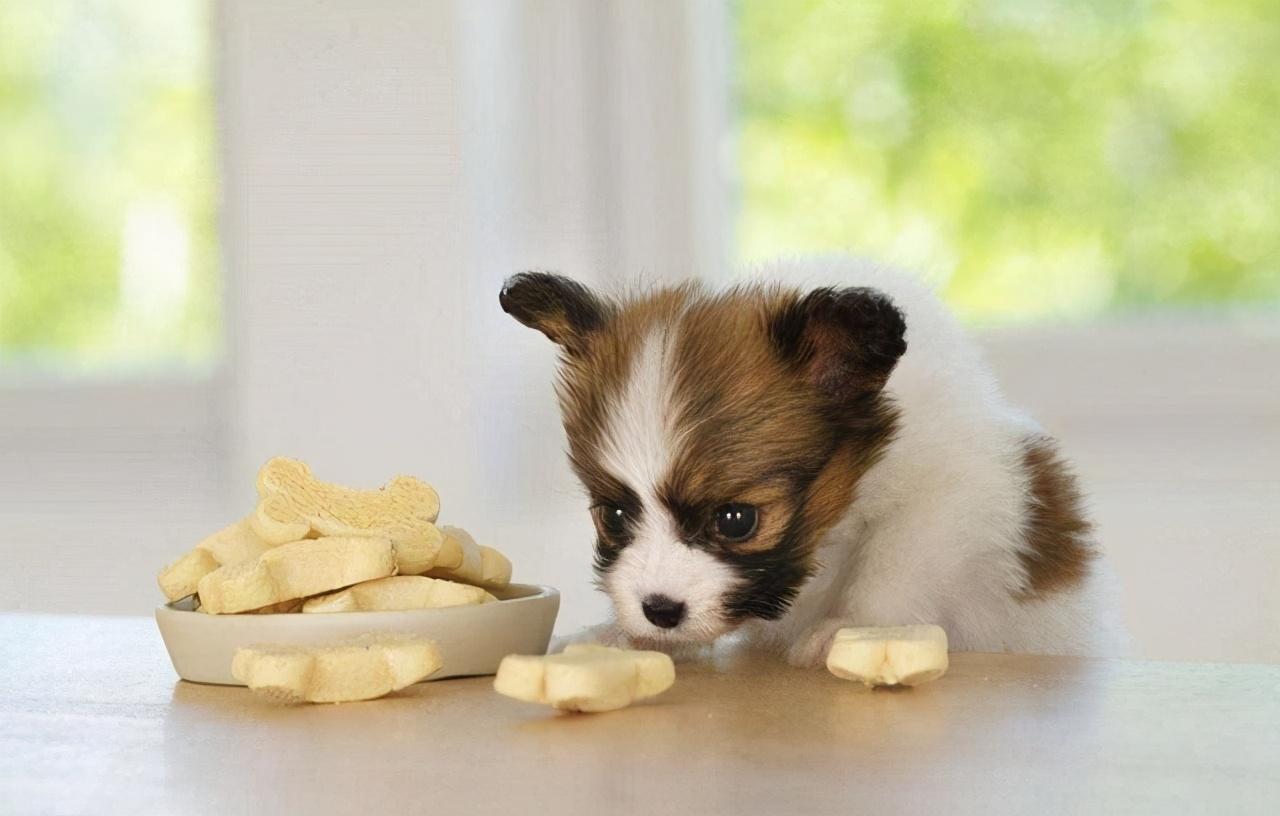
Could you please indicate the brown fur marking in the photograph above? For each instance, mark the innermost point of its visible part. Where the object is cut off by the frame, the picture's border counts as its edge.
(593, 381)
(751, 430)
(1059, 550)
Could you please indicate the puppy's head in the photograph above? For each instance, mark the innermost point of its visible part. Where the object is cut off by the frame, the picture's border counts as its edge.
(717, 435)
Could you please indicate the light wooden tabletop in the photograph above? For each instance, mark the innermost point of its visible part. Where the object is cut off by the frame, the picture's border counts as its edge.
(93, 720)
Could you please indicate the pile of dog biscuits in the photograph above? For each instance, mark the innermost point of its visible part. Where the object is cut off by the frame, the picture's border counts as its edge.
(314, 547)
(311, 546)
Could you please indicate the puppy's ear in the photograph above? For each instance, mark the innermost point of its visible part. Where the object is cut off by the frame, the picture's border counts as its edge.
(562, 309)
(846, 341)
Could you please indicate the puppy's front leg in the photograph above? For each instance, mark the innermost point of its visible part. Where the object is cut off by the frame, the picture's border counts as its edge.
(879, 597)
(810, 650)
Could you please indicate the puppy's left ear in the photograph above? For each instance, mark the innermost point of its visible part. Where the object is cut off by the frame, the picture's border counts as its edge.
(564, 310)
(845, 341)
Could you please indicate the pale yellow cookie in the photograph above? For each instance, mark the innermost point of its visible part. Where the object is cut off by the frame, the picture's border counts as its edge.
(361, 669)
(495, 568)
(275, 519)
(396, 593)
(180, 579)
(241, 541)
(403, 512)
(295, 570)
(585, 677)
(404, 499)
(236, 542)
(889, 655)
(420, 548)
(479, 565)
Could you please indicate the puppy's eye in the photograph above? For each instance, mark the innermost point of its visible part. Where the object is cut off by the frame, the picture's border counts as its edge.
(611, 518)
(735, 522)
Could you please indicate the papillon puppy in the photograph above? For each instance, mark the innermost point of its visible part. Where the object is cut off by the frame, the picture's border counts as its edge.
(784, 463)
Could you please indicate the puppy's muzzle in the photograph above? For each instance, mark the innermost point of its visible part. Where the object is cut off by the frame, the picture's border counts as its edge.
(662, 611)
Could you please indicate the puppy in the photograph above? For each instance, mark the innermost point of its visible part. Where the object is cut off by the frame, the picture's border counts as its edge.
(785, 463)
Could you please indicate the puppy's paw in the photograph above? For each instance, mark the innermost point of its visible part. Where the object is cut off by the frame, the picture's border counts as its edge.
(810, 652)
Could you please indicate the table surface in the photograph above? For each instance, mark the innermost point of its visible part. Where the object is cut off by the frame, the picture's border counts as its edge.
(93, 720)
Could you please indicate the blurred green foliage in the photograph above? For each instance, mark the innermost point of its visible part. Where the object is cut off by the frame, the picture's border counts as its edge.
(1041, 158)
(106, 166)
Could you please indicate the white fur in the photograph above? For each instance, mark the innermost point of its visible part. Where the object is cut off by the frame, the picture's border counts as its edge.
(637, 449)
(933, 535)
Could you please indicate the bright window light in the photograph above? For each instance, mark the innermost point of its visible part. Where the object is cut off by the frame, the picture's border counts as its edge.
(1041, 159)
(108, 254)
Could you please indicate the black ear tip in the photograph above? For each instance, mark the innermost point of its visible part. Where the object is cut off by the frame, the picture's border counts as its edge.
(512, 285)
(525, 293)
(560, 308)
(871, 308)
(506, 297)
(849, 339)
(889, 316)
(886, 326)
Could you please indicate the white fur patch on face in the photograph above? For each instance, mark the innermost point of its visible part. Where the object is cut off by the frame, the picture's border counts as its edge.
(658, 563)
(637, 444)
(637, 449)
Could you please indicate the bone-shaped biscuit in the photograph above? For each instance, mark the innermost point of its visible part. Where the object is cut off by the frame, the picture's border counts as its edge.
(360, 669)
(179, 579)
(585, 677)
(241, 541)
(396, 593)
(232, 544)
(495, 568)
(476, 564)
(295, 570)
(420, 546)
(276, 520)
(404, 499)
(889, 655)
(404, 512)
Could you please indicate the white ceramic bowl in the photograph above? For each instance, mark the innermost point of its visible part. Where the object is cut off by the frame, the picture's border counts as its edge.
(472, 639)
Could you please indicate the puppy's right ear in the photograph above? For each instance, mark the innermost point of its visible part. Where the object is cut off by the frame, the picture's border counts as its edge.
(846, 341)
(562, 309)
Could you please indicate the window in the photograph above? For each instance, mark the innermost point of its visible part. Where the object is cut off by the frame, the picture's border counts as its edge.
(108, 258)
(1040, 158)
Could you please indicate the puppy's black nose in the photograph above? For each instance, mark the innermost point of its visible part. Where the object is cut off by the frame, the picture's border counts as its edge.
(662, 611)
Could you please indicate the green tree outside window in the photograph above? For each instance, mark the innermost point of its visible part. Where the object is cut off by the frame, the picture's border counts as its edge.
(108, 251)
(1039, 158)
